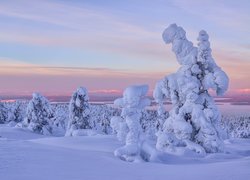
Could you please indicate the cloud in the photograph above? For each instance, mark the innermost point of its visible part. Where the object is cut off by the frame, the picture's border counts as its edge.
(106, 91)
(23, 78)
(246, 46)
(60, 24)
(81, 27)
(227, 14)
(19, 68)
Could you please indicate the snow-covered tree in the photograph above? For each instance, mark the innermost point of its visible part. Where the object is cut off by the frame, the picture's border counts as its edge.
(100, 118)
(16, 113)
(39, 115)
(149, 124)
(104, 122)
(61, 116)
(193, 120)
(3, 113)
(60, 120)
(132, 103)
(236, 126)
(79, 112)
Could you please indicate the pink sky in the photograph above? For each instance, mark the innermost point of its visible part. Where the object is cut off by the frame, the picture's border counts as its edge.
(56, 46)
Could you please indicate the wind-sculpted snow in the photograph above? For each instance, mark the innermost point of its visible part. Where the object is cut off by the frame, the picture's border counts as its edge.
(193, 120)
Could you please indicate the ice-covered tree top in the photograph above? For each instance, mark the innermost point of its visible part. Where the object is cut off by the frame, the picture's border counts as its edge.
(80, 97)
(82, 91)
(214, 77)
(134, 97)
(184, 50)
(196, 62)
(37, 98)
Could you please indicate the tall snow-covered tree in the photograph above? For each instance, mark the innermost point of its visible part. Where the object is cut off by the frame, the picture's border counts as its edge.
(132, 103)
(39, 115)
(193, 120)
(79, 111)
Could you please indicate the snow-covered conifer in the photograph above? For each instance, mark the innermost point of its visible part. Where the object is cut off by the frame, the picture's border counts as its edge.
(3, 113)
(79, 112)
(193, 120)
(236, 126)
(61, 117)
(105, 120)
(132, 103)
(149, 124)
(39, 115)
(16, 113)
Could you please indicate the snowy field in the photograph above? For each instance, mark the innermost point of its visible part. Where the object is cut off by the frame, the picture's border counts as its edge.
(25, 155)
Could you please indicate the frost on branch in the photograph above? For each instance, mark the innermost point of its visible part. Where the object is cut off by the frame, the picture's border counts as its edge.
(79, 113)
(39, 115)
(128, 126)
(193, 120)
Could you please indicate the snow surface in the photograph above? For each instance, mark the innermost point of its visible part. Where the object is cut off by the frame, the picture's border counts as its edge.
(25, 155)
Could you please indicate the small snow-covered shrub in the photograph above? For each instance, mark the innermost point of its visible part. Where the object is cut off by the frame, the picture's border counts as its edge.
(39, 115)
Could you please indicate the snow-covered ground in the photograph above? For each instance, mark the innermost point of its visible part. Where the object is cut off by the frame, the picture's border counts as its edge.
(25, 156)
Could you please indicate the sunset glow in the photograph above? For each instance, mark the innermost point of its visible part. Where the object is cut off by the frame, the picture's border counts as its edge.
(105, 46)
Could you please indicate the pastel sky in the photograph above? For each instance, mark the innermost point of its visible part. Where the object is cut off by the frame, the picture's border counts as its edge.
(54, 46)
